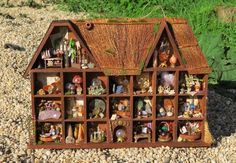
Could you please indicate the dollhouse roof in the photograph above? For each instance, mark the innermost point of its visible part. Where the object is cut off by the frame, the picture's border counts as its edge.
(125, 46)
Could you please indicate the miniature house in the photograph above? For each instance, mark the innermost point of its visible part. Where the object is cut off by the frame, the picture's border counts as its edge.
(115, 83)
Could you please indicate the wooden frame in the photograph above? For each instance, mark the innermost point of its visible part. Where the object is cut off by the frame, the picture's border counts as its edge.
(132, 120)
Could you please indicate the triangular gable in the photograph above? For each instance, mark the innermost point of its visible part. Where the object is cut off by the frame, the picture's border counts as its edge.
(53, 25)
(163, 28)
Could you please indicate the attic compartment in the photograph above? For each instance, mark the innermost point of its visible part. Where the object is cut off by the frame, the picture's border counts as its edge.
(51, 55)
(164, 55)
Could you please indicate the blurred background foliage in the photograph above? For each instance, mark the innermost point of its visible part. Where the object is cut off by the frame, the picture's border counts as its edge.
(213, 22)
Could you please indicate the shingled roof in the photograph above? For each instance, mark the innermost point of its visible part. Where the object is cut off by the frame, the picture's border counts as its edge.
(124, 46)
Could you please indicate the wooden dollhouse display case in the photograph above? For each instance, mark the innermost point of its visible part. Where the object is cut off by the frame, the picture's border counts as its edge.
(115, 83)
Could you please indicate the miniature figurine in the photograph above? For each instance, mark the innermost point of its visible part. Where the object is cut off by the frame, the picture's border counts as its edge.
(164, 53)
(143, 82)
(70, 89)
(160, 89)
(84, 61)
(70, 138)
(77, 80)
(72, 51)
(164, 132)
(162, 112)
(79, 133)
(98, 136)
(96, 88)
(122, 85)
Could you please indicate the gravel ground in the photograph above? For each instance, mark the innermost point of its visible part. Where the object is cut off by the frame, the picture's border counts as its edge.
(25, 27)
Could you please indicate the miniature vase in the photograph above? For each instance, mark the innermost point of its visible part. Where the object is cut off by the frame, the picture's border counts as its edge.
(173, 61)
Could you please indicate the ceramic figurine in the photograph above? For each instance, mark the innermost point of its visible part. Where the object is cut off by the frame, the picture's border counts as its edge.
(160, 89)
(122, 85)
(77, 80)
(72, 51)
(84, 60)
(70, 89)
(91, 65)
(79, 133)
(148, 106)
(150, 90)
(96, 87)
(162, 112)
(197, 86)
(70, 138)
(98, 136)
(143, 82)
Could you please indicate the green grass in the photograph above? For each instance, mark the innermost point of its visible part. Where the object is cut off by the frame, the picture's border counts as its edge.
(201, 15)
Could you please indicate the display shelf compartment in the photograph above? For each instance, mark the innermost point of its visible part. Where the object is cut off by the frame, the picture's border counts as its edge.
(75, 133)
(165, 131)
(74, 108)
(142, 132)
(97, 132)
(47, 84)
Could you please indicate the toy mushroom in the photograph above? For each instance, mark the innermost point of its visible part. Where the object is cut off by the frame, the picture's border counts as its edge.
(77, 80)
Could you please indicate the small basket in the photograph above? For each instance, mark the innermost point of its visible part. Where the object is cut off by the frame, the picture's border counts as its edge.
(191, 137)
(167, 137)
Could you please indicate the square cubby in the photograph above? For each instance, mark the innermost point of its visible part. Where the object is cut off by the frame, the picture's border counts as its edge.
(166, 83)
(49, 133)
(189, 131)
(165, 107)
(97, 132)
(142, 131)
(119, 108)
(191, 107)
(73, 83)
(75, 133)
(96, 83)
(143, 107)
(191, 83)
(48, 108)
(74, 108)
(96, 108)
(119, 85)
(143, 84)
(164, 131)
(47, 84)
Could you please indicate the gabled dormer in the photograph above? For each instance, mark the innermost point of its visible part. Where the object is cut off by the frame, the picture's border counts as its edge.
(61, 47)
(164, 53)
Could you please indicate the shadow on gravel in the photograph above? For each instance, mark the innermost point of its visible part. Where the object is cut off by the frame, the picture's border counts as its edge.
(221, 111)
